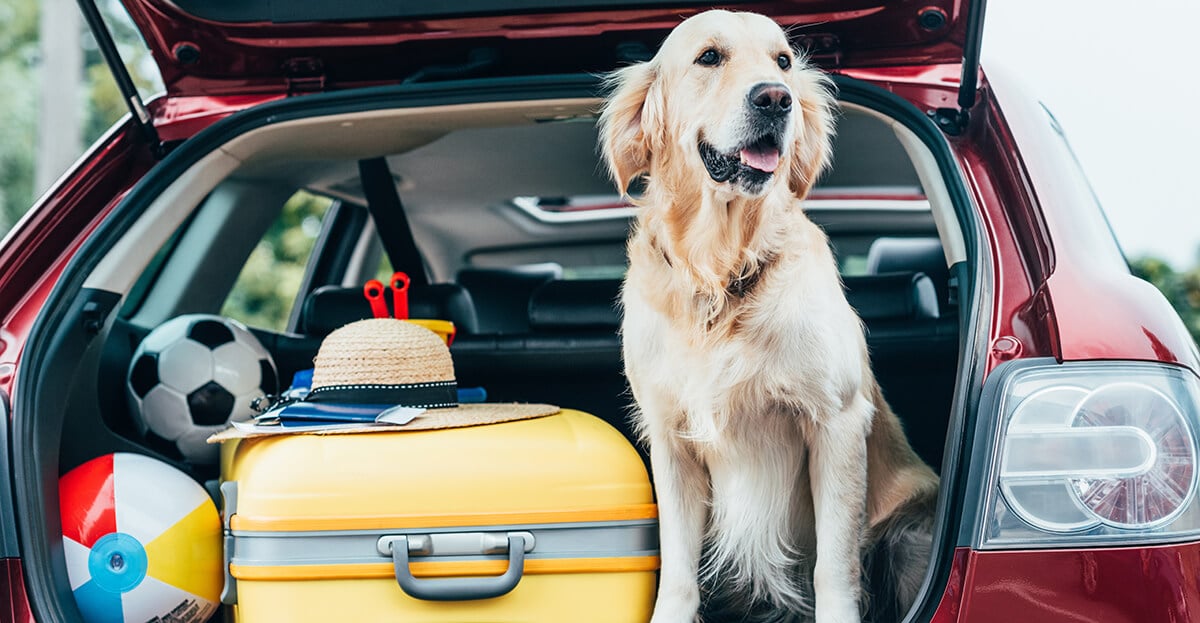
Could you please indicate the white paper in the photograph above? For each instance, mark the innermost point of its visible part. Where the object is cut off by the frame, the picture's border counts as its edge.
(399, 415)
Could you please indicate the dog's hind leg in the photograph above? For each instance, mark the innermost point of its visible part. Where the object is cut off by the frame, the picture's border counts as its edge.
(680, 482)
(838, 472)
(896, 560)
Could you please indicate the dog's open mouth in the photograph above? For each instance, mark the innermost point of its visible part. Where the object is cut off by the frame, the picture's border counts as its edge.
(755, 161)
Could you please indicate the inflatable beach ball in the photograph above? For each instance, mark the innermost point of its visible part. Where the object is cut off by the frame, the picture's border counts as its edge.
(142, 541)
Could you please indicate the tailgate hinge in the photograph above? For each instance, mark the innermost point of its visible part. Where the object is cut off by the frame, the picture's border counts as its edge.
(954, 121)
(304, 75)
(112, 57)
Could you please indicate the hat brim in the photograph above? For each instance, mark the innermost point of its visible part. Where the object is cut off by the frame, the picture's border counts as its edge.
(347, 415)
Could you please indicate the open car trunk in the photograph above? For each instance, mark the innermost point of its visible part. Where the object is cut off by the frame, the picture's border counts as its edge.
(488, 223)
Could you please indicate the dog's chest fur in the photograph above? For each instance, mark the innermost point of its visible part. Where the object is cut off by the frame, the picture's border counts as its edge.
(778, 351)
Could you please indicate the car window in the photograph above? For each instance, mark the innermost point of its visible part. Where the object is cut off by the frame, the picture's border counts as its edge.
(267, 286)
(1077, 178)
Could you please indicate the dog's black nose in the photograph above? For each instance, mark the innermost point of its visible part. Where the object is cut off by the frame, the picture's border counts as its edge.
(771, 98)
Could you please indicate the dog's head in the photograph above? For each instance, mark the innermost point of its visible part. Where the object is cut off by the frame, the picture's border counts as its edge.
(726, 99)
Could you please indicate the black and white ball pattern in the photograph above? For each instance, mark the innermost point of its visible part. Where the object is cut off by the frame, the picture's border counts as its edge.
(193, 374)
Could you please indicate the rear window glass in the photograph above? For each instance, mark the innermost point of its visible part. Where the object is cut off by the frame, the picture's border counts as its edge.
(267, 286)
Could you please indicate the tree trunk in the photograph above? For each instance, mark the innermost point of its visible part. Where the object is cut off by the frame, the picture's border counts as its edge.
(60, 114)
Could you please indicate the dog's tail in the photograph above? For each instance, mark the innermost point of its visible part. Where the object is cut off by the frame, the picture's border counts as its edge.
(896, 558)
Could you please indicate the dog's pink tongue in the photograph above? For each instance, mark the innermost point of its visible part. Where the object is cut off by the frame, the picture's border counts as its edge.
(766, 161)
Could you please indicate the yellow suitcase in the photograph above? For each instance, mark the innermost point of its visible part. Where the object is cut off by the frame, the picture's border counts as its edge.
(543, 520)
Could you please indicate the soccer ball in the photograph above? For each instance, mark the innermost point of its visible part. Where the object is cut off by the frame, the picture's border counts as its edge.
(193, 374)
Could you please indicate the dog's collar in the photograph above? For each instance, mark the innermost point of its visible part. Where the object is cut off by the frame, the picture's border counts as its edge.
(741, 286)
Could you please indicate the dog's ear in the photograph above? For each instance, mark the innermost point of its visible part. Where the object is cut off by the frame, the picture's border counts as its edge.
(812, 146)
(631, 108)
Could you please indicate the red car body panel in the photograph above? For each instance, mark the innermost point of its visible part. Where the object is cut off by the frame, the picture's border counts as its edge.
(1059, 288)
(202, 57)
(14, 606)
(1099, 310)
(1133, 584)
(35, 252)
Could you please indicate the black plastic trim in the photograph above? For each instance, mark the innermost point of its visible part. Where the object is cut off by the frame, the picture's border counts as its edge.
(979, 465)
(9, 547)
(35, 461)
(59, 330)
(971, 353)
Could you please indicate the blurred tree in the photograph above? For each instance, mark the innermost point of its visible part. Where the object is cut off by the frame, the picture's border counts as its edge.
(19, 73)
(18, 57)
(266, 288)
(1182, 289)
(60, 91)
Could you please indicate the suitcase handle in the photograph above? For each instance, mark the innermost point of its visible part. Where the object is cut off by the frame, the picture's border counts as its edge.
(458, 589)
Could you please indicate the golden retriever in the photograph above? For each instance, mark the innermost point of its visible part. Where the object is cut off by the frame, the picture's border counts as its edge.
(772, 448)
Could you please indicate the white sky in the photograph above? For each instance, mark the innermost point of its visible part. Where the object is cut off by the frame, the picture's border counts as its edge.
(1120, 77)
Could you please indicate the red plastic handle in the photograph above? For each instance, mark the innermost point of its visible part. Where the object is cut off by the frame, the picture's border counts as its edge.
(374, 293)
(400, 283)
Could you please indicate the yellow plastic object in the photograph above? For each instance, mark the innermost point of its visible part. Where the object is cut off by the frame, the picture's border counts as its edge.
(568, 469)
(570, 598)
(444, 328)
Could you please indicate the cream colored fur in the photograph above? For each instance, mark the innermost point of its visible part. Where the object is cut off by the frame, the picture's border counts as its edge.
(769, 438)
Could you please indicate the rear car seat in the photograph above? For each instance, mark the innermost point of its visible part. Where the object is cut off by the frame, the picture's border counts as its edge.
(571, 354)
(501, 295)
(922, 255)
(917, 362)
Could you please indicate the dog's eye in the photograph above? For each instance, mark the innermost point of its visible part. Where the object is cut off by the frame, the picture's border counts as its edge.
(709, 58)
(784, 61)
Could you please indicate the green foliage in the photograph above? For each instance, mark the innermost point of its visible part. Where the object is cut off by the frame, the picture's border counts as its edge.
(18, 101)
(19, 91)
(1182, 289)
(266, 288)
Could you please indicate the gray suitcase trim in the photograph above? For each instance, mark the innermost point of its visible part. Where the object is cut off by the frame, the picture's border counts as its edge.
(601, 539)
(515, 543)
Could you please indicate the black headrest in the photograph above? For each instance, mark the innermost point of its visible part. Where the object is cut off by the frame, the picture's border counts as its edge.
(501, 295)
(330, 307)
(911, 255)
(575, 304)
(890, 255)
(593, 303)
(892, 296)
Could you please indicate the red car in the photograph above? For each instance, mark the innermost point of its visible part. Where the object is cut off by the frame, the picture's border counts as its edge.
(1055, 393)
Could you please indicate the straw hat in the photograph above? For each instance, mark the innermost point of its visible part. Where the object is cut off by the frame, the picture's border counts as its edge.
(371, 366)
